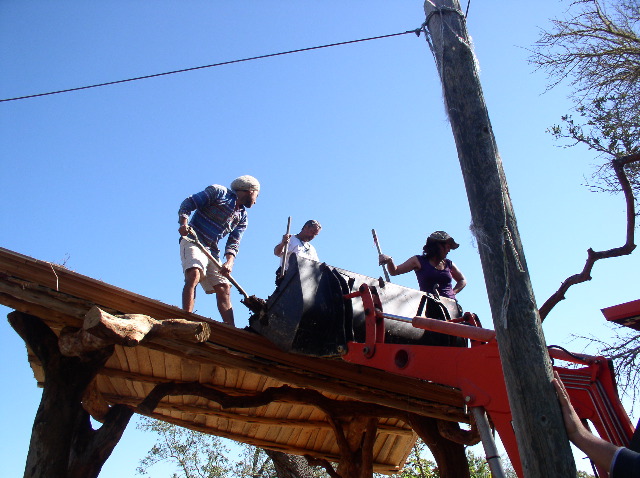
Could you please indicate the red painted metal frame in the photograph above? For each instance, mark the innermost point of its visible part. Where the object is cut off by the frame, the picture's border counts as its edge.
(627, 314)
(477, 372)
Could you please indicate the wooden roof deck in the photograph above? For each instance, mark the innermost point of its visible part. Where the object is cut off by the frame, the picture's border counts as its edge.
(233, 361)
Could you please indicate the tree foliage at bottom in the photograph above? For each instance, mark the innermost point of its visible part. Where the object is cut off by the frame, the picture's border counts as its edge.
(198, 455)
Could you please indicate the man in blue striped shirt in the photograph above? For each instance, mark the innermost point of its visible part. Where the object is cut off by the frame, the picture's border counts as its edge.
(213, 214)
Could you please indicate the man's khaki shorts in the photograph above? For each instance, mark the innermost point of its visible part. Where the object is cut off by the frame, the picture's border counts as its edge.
(192, 256)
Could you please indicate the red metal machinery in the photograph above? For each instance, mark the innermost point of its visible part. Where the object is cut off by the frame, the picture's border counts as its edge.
(627, 314)
(313, 312)
(477, 372)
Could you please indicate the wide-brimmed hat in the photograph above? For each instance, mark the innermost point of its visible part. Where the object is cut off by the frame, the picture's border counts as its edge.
(441, 236)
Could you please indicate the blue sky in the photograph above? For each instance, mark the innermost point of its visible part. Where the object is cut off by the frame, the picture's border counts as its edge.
(354, 136)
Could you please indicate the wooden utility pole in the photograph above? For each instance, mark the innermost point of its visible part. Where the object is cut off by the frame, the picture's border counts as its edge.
(537, 420)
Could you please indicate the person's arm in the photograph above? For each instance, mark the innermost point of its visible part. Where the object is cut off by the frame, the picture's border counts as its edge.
(601, 452)
(193, 202)
(233, 240)
(409, 265)
(461, 282)
(227, 267)
(279, 249)
(184, 212)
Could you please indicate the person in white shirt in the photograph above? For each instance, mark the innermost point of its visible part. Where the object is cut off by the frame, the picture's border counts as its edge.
(300, 244)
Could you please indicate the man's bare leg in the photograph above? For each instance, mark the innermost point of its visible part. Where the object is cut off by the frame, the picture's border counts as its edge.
(191, 280)
(223, 296)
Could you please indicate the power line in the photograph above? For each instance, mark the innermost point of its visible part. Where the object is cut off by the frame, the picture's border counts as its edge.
(417, 32)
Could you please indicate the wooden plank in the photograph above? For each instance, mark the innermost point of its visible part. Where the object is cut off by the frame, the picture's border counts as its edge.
(21, 305)
(173, 368)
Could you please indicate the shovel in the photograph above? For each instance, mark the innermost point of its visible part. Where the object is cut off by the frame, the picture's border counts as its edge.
(253, 303)
(384, 268)
(283, 262)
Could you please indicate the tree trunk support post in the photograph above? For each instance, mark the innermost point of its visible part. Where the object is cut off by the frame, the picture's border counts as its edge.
(542, 441)
(63, 441)
(450, 456)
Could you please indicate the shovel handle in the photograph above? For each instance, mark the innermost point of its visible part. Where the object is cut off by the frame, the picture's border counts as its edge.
(375, 240)
(197, 242)
(283, 261)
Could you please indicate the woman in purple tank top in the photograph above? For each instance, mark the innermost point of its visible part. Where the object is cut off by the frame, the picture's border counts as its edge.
(434, 271)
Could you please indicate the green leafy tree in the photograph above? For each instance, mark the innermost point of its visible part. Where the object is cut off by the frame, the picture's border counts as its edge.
(420, 466)
(584, 474)
(196, 455)
(254, 463)
(199, 455)
(417, 465)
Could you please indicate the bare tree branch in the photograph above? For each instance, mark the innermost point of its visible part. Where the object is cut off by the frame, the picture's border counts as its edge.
(323, 464)
(623, 352)
(596, 50)
(336, 408)
(593, 256)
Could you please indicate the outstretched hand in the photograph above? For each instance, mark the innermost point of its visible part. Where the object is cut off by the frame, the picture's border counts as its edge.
(601, 452)
(571, 419)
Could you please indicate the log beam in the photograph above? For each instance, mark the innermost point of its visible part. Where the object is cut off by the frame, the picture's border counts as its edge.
(101, 329)
(76, 343)
(131, 329)
(452, 431)
(165, 408)
(94, 403)
(285, 393)
(450, 456)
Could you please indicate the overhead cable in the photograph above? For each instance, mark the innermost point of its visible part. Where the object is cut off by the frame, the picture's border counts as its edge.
(417, 32)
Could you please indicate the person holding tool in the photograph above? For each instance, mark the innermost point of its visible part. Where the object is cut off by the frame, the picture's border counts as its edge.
(300, 243)
(434, 271)
(213, 214)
